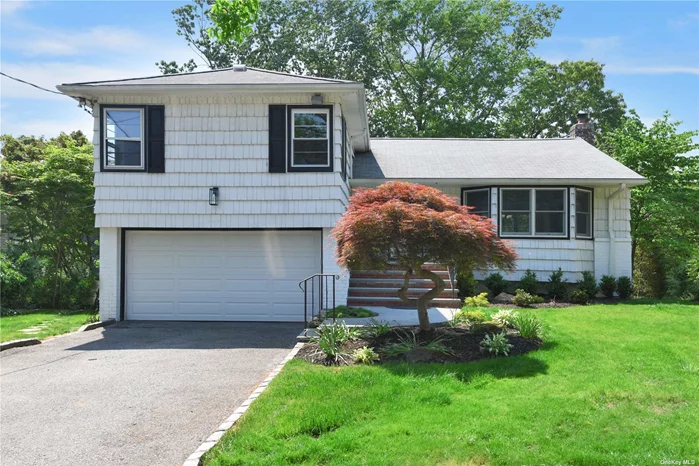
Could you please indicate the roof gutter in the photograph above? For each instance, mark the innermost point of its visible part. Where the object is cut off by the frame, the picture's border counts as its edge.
(504, 181)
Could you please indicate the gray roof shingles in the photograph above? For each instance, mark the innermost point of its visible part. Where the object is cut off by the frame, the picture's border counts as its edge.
(488, 159)
(225, 76)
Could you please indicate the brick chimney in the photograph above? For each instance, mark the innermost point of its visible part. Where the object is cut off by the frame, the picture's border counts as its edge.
(583, 128)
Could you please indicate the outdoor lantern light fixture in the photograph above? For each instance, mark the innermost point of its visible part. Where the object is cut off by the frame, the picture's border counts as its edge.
(213, 196)
(317, 99)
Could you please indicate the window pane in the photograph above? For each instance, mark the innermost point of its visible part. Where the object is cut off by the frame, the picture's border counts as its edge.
(515, 199)
(582, 201)
(550, 200)
(310, 119)
(478, 200)
(515, 223)
(310, 158)
(311, 146)
(550, 223)
(123, 124)
(318, 132)
(582, 224)
(123, 153)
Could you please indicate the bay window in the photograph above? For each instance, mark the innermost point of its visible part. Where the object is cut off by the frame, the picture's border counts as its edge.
(533, 212)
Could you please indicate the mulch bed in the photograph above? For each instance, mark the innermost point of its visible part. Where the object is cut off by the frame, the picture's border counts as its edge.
(463, 342)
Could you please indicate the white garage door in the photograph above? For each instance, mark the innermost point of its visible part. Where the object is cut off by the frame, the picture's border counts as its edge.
(219, 275)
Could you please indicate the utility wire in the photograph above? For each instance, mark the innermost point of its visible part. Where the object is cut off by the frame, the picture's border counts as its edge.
(30, 84)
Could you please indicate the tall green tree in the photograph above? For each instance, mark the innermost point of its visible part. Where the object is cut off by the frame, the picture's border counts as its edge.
(48, 202)
(664, 220)
(437, 68)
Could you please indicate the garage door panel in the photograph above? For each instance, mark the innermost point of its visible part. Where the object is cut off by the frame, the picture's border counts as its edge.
(225, 275)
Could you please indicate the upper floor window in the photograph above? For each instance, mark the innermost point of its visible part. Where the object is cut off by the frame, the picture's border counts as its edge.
(310, 138)
(479, 199)
(123, 138)
(583, 213)
(531, 212)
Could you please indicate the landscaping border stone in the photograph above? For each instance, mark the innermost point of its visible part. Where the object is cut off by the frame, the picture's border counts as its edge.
(195, 458)
(19, 343)
(94, 325)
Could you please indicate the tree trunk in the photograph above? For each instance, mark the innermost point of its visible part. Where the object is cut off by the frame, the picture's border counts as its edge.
(423, 301)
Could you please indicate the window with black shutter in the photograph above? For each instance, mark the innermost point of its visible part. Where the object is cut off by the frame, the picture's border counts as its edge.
(133, 138)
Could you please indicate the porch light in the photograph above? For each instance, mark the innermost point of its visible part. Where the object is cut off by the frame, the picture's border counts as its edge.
(213, 196)
(317, 99)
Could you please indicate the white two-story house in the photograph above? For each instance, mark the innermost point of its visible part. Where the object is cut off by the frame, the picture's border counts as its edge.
(216, 192)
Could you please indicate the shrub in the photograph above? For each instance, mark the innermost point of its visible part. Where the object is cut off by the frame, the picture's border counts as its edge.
(464, 315)
(376, 328)
(579, 297)
(12, 283)
(495, 283)
(557, 285)
(466, 284)
(496, 344)
(524, 299)
(588, 284)
(345, 311)
(408, 341)
(331, 338)
(365, 355)
(529, 283)
(608, 286)
(504, 317)
(624, 287)
(529, 326)
(477, 301)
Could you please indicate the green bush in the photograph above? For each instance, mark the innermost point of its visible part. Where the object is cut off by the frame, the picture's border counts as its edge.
(12, 284)
(365, 355)
(345, 311)
(557, 286)
(496, 344)
(529, 282)
(529, 326)
(588, 284)
(579, 297)
(624, 287)
(524, 299)
(607, 285)
(477, 301)
(466, 315)
(505, 317)
(495, 283)
(331, 338)
(466, 284)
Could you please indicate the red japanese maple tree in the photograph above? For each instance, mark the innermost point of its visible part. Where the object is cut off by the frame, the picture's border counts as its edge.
(408, 225)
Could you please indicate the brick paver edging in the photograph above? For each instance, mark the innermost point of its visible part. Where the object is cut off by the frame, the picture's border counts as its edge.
(195, 458)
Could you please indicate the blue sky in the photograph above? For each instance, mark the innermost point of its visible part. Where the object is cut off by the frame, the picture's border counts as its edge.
(650, 49)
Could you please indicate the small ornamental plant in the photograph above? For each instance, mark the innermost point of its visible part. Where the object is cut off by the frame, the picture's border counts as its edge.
(505, 317)
(477, 301)
(409, 225)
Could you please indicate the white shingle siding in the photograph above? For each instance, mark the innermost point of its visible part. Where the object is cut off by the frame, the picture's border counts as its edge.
(574, 256)
(219, 141)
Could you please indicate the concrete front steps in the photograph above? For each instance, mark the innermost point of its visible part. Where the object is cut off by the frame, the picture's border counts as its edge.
(377, 288)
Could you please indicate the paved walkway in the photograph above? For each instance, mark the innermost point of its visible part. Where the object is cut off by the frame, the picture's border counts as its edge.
(133, 393)
(398, 317)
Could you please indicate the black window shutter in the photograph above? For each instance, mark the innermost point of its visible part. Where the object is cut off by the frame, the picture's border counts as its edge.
(343, 172)
(156, 138)
(277, 138)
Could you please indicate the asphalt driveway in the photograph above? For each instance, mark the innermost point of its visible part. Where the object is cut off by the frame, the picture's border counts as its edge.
(135, 393)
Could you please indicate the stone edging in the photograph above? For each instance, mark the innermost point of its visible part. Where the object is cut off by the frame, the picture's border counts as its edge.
(17, 343)
(195, 458)
(94, 325)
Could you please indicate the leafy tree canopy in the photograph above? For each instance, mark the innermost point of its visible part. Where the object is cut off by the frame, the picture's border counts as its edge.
(435, 68)
(410, 225)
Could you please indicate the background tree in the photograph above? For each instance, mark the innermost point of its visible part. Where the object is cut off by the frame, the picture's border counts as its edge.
(47, 200)
(437, 68)
(410, 225)
(664, 220)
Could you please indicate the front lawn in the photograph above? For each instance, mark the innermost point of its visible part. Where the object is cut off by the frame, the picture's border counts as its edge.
(613, 384)
(41, 324)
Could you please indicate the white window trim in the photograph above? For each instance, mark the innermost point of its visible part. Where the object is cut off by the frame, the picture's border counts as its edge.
(324, 111)
(589, 214)
(140, 139)
(532, 214)
(475, 190)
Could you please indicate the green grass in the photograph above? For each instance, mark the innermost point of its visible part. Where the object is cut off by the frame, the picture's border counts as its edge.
(344, 311)
(614, 384)
(52, 323)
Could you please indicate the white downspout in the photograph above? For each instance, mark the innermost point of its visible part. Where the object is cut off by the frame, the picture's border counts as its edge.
(610, 231)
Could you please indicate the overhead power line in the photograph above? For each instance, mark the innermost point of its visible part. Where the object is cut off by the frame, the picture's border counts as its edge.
(30, 84)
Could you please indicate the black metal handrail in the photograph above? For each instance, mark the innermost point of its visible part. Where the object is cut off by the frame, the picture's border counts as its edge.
(323, 300)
